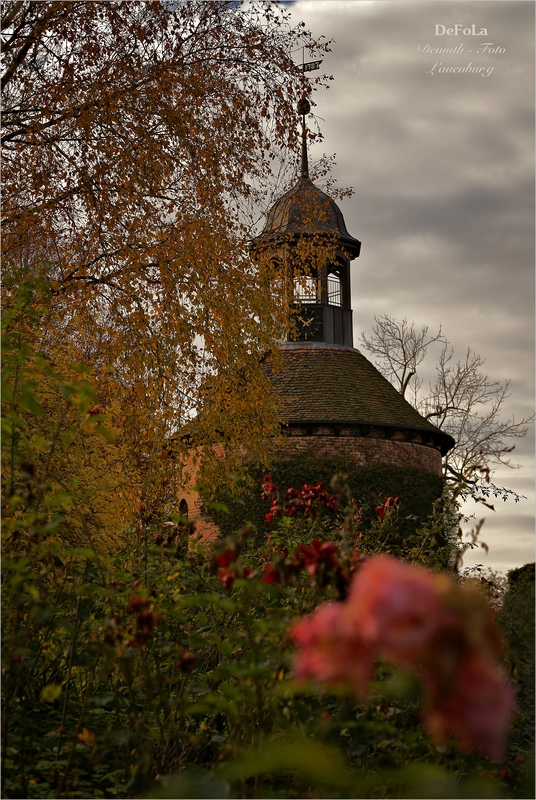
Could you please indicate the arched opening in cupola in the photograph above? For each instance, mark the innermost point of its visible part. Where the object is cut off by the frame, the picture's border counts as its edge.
(305, 289)
(334, 289)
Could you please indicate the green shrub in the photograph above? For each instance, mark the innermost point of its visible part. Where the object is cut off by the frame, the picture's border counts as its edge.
(418, 491)
(516, 620)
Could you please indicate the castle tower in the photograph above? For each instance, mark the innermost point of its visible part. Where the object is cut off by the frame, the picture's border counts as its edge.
(335, 402)
(337, 409)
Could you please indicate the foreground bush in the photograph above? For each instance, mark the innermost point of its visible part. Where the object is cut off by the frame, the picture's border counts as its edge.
(116, 674)
(169, 673)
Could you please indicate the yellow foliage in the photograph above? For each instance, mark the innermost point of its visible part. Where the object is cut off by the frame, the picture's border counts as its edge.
(63, 455)
(135, 199)
(87, 737)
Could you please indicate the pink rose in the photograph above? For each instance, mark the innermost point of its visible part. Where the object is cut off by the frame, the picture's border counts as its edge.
(397, 608)
(476, 712)
(418, 619)
(330, 652)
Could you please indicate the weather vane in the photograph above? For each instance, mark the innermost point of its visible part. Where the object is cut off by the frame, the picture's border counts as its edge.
(310, 65)
(304, 108)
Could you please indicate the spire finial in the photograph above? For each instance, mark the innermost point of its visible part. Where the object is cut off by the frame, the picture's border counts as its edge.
(303, 108)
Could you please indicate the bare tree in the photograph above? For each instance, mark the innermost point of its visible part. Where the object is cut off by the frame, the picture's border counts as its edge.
(399, 349)
(462, 401)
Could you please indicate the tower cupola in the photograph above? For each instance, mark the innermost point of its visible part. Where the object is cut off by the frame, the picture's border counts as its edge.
(306, 227)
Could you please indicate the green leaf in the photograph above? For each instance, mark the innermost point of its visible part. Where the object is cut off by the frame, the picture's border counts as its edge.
(104, 432)
(87, 552)
(213, 505)
(59, 499)
(229, 691)
(225, 647)
(28, 402)
(50, 692)
(80, 368)
(67, 626)
(12, 421)
(7, 392)
(319, 763)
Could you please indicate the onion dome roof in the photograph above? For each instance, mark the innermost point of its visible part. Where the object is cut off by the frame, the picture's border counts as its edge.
(306, 209)
(322, 383)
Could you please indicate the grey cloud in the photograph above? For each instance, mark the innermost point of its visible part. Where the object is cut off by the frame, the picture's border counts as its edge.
(443, 172)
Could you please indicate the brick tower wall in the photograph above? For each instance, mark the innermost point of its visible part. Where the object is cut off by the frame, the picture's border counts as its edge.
(361, 451)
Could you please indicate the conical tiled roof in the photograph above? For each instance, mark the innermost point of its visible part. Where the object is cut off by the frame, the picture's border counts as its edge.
(321, 383)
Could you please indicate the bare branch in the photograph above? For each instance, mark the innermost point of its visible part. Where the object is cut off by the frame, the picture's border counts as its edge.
(462, 401)
(399, 348)
(10, 14)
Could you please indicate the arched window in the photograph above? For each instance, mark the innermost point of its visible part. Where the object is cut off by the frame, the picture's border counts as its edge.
(183, 509)
(334, 289)
(305, 289)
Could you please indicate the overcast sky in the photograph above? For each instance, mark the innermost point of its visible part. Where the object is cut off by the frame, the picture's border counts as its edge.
(443, 172)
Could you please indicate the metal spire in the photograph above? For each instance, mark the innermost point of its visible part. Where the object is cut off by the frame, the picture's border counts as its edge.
(303, 108)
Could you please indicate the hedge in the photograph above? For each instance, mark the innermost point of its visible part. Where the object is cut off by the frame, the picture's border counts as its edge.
(417, 490)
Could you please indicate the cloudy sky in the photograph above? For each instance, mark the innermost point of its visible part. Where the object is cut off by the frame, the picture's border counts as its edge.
(443, 173)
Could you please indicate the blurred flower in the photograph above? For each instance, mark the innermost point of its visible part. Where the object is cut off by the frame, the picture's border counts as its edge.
(271, 574)
(316, 553)
(187, 661)
(269, 489)
(136, 604)
(226, 558)
(228, 576)
(425, 621)
(476, 712)
(389, 503)
(87, 737)
(330, 651)
(145, 622)
(308, 500)
(397, 607)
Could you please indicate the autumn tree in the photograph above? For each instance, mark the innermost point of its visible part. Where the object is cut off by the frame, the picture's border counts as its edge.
(138, 141)
(65, 468)
(462, 400)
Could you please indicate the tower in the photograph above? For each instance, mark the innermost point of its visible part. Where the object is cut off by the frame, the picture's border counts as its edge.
(338, 411)
(336, 405)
